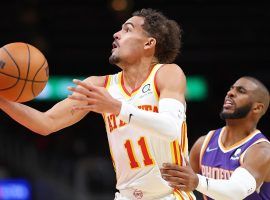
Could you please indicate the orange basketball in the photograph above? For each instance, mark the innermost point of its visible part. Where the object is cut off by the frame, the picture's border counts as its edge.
(24, 72)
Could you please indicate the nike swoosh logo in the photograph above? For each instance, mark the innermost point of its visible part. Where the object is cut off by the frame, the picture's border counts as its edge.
(129, 118)
(209, 150)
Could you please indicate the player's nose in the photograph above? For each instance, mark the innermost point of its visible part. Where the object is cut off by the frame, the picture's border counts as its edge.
(116, 35)
(231, 92)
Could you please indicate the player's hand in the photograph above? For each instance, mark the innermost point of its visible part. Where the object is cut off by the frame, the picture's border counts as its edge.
(180, 177)
(98, 98)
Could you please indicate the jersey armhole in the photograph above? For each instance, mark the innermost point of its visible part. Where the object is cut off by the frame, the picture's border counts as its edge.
(106, 82)
(205, 144)
(241, 160)
(155, 80)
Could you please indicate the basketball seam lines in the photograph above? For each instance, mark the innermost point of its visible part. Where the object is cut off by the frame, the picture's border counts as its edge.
(22, 79)
(26, 73)
(36, 75)
(16, 66)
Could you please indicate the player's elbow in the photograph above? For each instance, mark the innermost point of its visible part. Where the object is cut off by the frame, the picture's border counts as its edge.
(43, 132)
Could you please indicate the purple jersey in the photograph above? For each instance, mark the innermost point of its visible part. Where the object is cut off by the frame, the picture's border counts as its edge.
(219, 162)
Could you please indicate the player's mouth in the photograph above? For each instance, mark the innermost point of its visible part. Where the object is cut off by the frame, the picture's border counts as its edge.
(228, 103)
(114, 45)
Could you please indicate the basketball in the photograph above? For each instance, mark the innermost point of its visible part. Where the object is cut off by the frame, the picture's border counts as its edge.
(24, 72)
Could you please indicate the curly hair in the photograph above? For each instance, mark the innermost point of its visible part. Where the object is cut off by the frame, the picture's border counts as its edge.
(166, 32)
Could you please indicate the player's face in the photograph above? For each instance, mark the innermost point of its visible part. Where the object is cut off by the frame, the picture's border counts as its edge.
(238, 101)
(129, 42)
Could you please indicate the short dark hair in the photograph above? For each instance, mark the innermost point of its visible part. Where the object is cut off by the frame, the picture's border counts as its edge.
(262, 92)
(166, 32)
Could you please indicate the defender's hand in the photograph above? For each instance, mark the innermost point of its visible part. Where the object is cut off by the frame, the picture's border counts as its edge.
(180, 177)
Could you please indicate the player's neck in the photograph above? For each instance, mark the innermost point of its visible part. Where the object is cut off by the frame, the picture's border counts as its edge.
(236, 131)
(135, 75)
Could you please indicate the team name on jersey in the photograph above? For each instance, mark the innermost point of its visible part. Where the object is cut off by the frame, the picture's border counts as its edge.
(115, 123)
(215, 172)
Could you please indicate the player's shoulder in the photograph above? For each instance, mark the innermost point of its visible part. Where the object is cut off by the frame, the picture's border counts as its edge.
(261, 148)
(199, 142)
(96, 80)
(171, 69)
(259, 152)
(171, 73)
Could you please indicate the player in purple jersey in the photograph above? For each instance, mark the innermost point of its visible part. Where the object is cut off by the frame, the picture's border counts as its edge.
(232, 162)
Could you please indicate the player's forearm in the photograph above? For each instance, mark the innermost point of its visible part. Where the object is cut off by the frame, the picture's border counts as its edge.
(165, 124)
(27, 116)
(239, 186)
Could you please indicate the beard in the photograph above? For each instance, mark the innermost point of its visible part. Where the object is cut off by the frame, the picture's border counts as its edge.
(114, 59)
(239, 113)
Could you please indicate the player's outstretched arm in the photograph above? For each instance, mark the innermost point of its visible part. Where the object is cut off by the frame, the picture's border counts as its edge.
(58, 117)
(257, 162)
(165, 124)
(244, 180)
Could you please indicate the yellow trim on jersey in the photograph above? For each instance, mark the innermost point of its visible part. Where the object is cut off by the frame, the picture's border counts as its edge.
(236, 145)
(182, 195)
(191, 195)
(122, 89)
(172, 152)
(176, 153)
(184, 139)
(204, 145)
(179, 151)
(108, 82)
(155, 89)
(241, 159)
(155, 92)
(178, 195)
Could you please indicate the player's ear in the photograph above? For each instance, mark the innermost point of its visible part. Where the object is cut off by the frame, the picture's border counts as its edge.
(150, 43)
(258, 108)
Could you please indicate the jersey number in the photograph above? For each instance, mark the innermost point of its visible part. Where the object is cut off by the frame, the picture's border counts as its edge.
(147, 160)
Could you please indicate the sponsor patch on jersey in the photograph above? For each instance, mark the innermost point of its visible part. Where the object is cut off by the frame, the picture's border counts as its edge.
(138, 194)
(236, 154)
(146, 88)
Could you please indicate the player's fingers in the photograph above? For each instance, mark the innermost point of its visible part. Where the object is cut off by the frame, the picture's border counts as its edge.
(88, 86)
(89, 101)
(79, 90)
(170, 166)
(85, 92)
(172, 178)
(174, 173)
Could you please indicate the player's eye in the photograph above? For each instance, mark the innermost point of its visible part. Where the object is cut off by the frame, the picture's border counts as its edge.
(241, 90)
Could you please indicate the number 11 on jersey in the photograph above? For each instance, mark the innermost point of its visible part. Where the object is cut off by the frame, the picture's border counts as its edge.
(145, 152)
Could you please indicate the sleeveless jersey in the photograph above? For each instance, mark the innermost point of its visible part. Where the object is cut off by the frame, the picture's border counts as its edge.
(219, 162)
(136, 152)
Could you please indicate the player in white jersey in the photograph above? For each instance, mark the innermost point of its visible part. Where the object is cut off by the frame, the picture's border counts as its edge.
(143, 107)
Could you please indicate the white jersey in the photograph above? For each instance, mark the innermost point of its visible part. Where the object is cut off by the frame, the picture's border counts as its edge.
(137, 153)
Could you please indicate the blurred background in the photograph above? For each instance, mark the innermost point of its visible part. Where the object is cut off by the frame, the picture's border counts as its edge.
(222, 40)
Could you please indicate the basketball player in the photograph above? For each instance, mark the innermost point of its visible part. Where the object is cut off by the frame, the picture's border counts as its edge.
(143, 107)
(232, 162)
